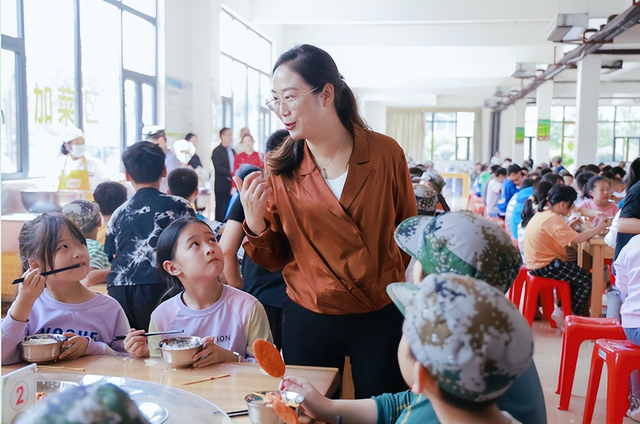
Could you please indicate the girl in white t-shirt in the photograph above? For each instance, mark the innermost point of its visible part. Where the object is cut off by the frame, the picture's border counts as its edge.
(59, 303)
(230, 320)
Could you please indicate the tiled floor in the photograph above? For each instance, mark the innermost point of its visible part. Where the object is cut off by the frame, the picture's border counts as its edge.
(548, 344)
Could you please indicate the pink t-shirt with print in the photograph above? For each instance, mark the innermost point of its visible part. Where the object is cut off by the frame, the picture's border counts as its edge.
(610, 210)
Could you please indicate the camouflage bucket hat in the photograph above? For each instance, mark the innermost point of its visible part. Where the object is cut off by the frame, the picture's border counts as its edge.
(95, 403)
(463, 243)
(432, 177)
(85, 214)
(471, 339)
(427, 199)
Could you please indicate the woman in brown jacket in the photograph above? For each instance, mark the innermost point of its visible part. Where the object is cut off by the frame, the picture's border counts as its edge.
(325, 212)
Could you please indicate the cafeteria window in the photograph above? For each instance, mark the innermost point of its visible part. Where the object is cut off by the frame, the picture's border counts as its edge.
(618, 133)
(449, 136)
(245, 83)
(80, 55)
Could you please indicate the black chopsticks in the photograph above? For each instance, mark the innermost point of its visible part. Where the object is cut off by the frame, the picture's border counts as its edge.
(44, 274)
(158, 333)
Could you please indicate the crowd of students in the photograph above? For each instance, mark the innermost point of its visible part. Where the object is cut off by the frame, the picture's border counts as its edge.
(320, 262)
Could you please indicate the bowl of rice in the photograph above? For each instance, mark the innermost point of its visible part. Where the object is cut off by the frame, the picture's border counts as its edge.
(42, 348)
(178, 351)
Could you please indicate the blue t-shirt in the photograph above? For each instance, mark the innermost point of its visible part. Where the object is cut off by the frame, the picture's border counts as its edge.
(508, 190)
(524, 400)
(516, 218)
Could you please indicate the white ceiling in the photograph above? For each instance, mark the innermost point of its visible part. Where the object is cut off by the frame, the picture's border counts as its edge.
(445, 52)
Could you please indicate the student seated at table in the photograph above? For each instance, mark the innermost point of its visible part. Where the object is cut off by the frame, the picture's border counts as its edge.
(596, 196)
(90, 320)
(510, 186)
(627, 266)
(545, 241)
(448, 319)
(191, 261)
(494, 190)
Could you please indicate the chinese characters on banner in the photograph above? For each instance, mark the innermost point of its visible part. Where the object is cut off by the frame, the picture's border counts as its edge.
(66, 105)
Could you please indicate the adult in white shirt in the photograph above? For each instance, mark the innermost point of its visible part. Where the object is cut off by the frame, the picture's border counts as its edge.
(77, 169)
(495, 160)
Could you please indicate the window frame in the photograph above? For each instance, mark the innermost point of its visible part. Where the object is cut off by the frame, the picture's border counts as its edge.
(429, 128)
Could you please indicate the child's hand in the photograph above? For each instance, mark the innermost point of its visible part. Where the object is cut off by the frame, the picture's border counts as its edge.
(28, 291)
(136, 344)
(74, 347)
(604, 224)
(315, 404)
(212, 354)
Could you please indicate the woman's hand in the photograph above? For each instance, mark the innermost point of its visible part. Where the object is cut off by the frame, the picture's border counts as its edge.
(136, 344)
(74, 347)
(212, 354)
(254, 191)
(28, 291)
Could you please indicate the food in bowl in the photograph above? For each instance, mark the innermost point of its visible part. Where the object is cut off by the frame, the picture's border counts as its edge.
(274, 407)
(178, 351)
(42, 348)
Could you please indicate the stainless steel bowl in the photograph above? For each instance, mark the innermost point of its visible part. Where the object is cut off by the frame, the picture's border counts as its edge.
(178, 351)
(38, 201)
(261, 413)
(54, 386)
(42, 348)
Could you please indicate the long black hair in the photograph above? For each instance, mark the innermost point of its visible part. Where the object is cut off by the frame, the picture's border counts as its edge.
(539, 194)
(39, 238)
(166, 251)
(591, 184)
(317, 69)
(634, 173)
(559, 193)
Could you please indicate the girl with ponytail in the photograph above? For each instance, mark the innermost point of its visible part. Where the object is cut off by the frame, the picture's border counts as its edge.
(325, 212)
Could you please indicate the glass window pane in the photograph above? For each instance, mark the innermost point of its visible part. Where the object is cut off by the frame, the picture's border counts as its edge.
(444, 140)
(605, 142)
(9, 140)
(148, 104)
(569, 130)
(428, 142)
(139, 44)
(627, 129)
(226, 37)
(253, 95)
(568, 151)
(265, 55)
(606, 113)
(239, 40)
(265, 89)
(555, 139)
(253, 49)
(447, 117)
(9, 13)
(130, 112)
(628, 113)
(531, 129)
(428, 116)
(100, 42)
(50, 82)
(570, 114)
(239, 96)
(148, 7)
(557, 113)
(463, 145)
(465, 124)
(634, 148)
(226, 87)
(618, 149)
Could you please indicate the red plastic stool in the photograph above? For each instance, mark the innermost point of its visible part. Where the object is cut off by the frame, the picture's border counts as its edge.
(577, 330)
(622, 357)
(535, 286)
(479, 209)
(515, 291)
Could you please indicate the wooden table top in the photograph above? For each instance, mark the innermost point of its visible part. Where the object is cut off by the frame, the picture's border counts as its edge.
(227, 393)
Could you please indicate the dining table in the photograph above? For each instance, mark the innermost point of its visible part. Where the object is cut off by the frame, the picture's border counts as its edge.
(592, 254)
(234, 380)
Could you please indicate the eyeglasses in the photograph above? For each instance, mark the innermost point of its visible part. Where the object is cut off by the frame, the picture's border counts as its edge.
(290, 101)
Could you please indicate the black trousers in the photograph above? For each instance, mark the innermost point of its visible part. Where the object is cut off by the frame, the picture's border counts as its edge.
(370, 340)
(274, 314)
(222, 203)
(138, 301)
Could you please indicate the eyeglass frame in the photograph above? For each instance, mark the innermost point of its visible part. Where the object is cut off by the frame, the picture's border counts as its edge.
(274, 105)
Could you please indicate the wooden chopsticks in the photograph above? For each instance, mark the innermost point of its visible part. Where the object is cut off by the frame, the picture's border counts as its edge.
(60, 367)
(206, 379)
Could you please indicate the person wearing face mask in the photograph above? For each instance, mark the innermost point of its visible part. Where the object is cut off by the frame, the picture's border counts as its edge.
(78, 169)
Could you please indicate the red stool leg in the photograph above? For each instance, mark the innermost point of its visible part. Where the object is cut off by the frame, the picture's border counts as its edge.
(530, 303)
(564, 293)
(548, 304)
(618, 389)
(592, 388)
(515, 292)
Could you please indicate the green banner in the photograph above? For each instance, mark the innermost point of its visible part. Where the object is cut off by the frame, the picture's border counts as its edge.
(544, 127)
(519, 135)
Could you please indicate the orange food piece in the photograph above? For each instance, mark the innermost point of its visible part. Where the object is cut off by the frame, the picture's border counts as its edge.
(269, 358)
(286, 414)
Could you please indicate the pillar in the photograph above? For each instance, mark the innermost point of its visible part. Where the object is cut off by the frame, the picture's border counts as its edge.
(587, 99)
(544, 96)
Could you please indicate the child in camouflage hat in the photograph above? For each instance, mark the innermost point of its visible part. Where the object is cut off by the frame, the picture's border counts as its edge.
(86, 215)
(463, 346)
